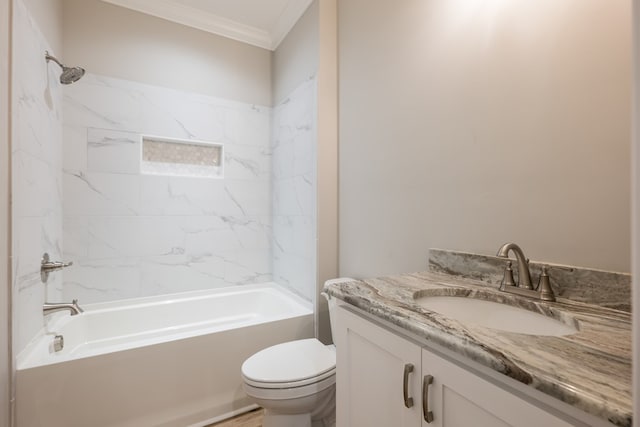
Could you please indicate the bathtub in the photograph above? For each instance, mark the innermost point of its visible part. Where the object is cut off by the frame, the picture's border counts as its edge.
(161, 361)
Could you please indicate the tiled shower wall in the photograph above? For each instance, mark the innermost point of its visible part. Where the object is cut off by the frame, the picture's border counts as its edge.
(36, 175)
(294, 190)
(132, 234)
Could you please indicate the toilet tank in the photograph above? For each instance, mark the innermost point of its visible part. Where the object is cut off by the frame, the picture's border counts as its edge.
(332, 301)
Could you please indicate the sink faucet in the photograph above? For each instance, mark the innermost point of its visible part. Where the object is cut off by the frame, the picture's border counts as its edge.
(524, 276)
(73, 307)
(524, 287)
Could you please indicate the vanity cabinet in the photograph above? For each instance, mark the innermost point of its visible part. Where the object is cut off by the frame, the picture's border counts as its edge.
(386, 380)
(370, 374)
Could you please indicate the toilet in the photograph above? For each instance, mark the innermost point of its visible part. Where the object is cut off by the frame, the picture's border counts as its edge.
(295, 382)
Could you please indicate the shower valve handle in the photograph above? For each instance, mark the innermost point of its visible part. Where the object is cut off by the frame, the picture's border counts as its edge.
(47, 266)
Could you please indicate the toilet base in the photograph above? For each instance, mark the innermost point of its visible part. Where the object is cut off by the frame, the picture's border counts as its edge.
(317, 410)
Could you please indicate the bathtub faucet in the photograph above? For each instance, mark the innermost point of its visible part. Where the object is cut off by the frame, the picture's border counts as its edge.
(73, 307)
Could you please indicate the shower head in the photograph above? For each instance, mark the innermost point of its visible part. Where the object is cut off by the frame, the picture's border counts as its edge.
(69, 74)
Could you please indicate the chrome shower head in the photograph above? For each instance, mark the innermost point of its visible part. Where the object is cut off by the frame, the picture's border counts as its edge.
(69, 74)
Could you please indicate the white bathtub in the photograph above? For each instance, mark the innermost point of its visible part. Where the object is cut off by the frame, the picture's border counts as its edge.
(161, 361)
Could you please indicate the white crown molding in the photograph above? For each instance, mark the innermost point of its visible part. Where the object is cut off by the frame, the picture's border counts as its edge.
(201, 20)
(286, 21)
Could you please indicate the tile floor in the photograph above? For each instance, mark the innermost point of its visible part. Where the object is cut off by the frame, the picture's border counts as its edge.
(250, 419)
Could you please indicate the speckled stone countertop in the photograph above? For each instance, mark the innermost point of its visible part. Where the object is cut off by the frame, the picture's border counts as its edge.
(590, 370)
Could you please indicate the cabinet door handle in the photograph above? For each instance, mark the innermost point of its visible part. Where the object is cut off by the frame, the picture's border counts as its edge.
(428, 415)
(408, 401)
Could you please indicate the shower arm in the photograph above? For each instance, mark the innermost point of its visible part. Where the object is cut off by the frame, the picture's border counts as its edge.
(49, 57)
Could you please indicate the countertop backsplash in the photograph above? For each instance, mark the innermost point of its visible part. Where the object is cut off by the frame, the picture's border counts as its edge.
(604, 288)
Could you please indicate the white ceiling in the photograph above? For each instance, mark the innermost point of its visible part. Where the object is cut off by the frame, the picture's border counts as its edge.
(262, 23)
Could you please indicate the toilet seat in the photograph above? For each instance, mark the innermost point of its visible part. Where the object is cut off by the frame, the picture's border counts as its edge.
(291, 365)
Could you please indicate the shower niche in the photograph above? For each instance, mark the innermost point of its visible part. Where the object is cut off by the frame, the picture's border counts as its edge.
(176, 157)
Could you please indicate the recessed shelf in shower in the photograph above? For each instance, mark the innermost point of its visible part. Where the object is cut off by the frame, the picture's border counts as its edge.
(176, 157)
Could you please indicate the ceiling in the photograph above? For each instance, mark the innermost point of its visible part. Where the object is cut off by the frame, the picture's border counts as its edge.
(262, 23)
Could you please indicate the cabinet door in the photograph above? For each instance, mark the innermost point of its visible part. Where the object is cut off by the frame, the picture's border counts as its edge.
(459, 398)
(370, 375)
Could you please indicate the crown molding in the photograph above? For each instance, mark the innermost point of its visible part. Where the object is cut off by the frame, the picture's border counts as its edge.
(202, 20)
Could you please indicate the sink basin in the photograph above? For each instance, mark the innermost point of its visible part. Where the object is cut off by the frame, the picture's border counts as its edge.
(495, 315)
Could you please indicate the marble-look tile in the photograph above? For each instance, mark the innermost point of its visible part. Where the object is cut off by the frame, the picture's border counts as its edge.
(112, 151)
(179, 273)
(74, 149)
(248, 126)
(76, 237)
(294, 190)
(149, 234)
(108, 103)
(251, 232)
(97, 280)
(30, 292)
(36, 174)
(135, 236)
(605, 288)
(294, 235)
(295, 272)
(162, 195)
(294, 196)
(248, 197)
(37, 235)
(36, 183)
(247, 162)
(247, 267)
(100, 194)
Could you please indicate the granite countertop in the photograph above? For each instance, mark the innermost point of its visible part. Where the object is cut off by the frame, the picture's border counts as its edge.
(590, 370)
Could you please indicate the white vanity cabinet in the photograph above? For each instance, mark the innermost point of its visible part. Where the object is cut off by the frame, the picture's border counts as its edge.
(459, 398)
(377, 368)
(370, 374)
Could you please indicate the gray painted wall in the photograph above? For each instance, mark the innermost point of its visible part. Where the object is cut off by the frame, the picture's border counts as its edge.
(296, 58)
(118, 42)
(466, 125)
(48, 15)
(311, 48)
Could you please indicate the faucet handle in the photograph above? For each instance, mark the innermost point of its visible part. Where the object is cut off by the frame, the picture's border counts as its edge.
(507, 279)
(47, 266)
(544, 286)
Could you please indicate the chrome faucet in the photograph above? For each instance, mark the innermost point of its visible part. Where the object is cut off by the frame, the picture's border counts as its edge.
(523, 287)
(73, 307)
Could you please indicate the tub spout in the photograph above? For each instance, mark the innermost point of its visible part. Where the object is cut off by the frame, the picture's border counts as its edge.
(73, 307)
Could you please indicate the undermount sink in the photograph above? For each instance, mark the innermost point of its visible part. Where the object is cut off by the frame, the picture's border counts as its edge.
(495, 315)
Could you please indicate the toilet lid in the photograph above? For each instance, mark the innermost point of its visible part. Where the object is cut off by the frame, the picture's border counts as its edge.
(290, 362)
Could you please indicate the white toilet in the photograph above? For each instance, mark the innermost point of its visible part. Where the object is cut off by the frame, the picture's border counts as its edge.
(295, 382)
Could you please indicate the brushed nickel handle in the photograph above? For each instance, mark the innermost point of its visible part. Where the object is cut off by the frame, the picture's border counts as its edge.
(408, 401)
(428, 415)
(47, 266)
